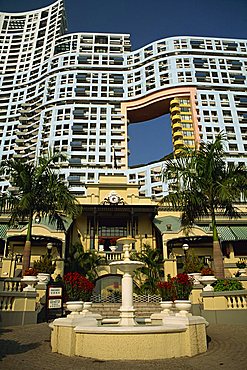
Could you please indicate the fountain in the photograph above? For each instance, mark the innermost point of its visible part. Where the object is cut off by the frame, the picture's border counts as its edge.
(127, 267)
(173, 336)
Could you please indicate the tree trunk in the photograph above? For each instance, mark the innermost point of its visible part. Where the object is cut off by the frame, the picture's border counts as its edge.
(26, 256)
(27, 247)
(218, 264)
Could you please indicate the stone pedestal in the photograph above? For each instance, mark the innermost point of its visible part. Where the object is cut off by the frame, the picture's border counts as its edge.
(127, 266)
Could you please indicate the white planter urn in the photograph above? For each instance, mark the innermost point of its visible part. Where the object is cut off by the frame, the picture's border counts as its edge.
(43, 278)
(113, 248)
(86, 308)
(30, 281)
(242, 272)
(101, 248)
(183, 306)
(166, 307)
(207, 281)
(196, 277)
(75, 307)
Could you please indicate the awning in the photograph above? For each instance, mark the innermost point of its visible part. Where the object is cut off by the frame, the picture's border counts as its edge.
(225, 233)
(229, 233)
(240, 232)
(169, 224)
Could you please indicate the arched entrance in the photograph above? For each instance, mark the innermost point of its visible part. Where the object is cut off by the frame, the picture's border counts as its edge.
(108, 288)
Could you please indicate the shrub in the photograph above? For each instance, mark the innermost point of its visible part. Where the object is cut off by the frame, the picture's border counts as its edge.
(166, 290)
(227, 285)
(241, 264)
(183, 286)
(45, 265)
(178, 287)
(77, 287)
(192, 263)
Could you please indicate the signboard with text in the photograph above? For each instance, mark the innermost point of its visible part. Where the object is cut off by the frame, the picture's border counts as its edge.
(54, 301)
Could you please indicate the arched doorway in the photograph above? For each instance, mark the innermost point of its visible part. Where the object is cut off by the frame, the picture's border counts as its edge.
(108, 288)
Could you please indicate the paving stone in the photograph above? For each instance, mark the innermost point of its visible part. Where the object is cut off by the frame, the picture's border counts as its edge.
(28, 347)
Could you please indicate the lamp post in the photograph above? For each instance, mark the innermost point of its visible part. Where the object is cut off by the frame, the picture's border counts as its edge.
(49, 248)
(185, 248)
(37, 219)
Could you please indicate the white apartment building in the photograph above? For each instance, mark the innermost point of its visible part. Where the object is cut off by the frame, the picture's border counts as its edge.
(77, 93)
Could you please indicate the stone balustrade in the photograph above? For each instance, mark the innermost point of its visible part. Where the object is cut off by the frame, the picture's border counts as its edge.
(16, 307)
(10, 284)
(113, 256)
(225, 307)
(234, 300)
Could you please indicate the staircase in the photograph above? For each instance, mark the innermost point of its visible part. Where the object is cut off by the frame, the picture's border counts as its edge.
(107, 310)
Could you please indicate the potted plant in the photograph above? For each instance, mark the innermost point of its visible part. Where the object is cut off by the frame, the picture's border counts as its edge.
(241, 265)
(183, 285)
(101, 245)
(45, 268)
(30, 279)
(207, 279)
(207, 271)
(78, 289)
(167, 292)
(193, 266)
(30, 272)
(113, 246)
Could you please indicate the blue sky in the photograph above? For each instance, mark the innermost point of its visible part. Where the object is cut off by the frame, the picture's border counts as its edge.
(148, 21)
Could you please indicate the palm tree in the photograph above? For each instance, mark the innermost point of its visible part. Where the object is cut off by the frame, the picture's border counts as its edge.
(152, 272)
(86, 263)
(201, 184)
(38, 190)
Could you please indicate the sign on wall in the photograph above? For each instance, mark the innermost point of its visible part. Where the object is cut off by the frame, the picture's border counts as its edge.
(54, 301)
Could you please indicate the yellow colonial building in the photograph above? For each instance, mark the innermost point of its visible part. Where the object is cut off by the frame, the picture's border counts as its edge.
(113, 209)
(78, 93)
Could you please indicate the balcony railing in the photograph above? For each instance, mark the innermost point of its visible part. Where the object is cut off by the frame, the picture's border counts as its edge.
(113, 256)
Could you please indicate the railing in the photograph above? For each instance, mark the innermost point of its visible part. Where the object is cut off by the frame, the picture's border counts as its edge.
(231, 300)
(115, 297)
(113, 256)
(18, 308)
(236, 302)
(146, 298)
(6, 303)
(10, 284)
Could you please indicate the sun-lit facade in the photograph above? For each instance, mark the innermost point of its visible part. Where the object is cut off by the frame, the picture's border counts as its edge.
(78, 93)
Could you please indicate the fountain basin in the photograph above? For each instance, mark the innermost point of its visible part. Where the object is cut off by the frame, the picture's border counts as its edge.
(177, 339)
(127, 266)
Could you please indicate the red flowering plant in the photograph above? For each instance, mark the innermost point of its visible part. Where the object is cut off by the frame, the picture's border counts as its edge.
(77, 287)
(166, 290)
(183, 285)
(113, 241)
(30, 272)
(207, 271)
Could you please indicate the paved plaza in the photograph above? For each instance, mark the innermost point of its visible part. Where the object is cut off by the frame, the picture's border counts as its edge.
(28, 348)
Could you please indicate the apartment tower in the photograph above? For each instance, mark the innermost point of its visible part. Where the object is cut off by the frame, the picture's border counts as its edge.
(78, 93)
